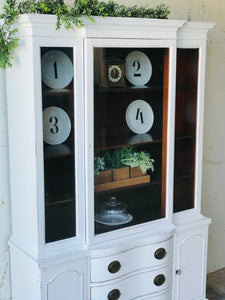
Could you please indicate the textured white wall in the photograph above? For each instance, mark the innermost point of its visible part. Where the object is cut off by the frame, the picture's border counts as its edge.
(5, 220)
(213, 190)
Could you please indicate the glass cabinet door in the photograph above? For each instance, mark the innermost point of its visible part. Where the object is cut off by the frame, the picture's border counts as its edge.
(130, 129)
(185, 128)
(58, 147)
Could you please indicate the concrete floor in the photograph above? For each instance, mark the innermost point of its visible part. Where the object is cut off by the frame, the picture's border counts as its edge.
(215, 288)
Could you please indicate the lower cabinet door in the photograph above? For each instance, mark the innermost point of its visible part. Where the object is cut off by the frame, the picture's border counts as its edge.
(67, 285)
(190, 264)
(135, 286)
(66, 281)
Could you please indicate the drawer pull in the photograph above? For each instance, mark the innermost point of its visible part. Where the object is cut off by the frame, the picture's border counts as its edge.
(114, 294)
(159, 279)
(114, 266)
(160, 253)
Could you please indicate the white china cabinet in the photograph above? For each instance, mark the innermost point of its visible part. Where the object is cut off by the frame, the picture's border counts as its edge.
(105, 136)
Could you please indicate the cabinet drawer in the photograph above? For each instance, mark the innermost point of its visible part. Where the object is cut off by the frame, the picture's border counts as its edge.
(135, 286)
(165, 295)
(110, 267)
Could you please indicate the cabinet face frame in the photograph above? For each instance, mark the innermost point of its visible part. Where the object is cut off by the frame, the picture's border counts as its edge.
(201, 47)
(90, 44)
(77, 49)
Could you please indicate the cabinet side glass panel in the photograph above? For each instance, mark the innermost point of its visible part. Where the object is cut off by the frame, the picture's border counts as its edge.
(130, 125)
(185, 128)
(58, 142)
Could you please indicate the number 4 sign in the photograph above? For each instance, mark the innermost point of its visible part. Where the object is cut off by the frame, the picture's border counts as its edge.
(139, 116)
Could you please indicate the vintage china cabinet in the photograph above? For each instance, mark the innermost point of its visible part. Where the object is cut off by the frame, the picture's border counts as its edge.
(77, 100)
(191, 236)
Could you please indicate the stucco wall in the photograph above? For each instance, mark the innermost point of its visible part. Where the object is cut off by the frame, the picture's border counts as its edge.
(5, 220)
(213, 190)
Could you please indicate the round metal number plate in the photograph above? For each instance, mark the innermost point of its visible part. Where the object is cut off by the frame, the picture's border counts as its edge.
(139, 116)
(56, 125)
(138, 68)
(57, 69)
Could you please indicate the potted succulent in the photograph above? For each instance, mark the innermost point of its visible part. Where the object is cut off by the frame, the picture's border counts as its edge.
(122, 167)
(101, 174)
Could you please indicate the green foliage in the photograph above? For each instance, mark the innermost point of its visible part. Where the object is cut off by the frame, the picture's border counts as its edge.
(125, 156)
(99, 164)
(139, 159)
(69, 17)
(114, 158)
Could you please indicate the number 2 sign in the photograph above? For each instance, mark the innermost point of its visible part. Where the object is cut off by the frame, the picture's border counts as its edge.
(138, 68)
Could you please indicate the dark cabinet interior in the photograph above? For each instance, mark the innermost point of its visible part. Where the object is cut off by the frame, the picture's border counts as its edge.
(59, 162)
(185, 128)
(144, 201)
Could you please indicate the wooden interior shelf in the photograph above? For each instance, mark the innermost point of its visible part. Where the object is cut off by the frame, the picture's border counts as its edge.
(129, 89)
(52, 203)
(121, 144)
(121, 183)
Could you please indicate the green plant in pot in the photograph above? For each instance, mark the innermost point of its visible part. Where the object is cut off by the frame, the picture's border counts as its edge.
(122, 163)
(139, 160)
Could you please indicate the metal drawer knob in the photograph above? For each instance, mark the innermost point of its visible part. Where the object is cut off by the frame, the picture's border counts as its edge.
(160, 253)
(114, 266)
(159, 279)
(114, 294)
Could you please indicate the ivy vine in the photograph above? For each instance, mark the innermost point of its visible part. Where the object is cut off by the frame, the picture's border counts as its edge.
(68, 16)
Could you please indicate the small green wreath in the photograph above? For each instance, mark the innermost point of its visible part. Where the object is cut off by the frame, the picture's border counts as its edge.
(68, 16)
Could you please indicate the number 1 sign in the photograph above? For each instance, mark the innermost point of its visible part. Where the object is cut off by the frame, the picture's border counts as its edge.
(57, 69)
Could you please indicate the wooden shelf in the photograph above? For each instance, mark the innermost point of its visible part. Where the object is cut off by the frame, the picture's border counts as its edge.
(184, 137)
(121, 183)
(60, 202)
(126, 142)
(56, 92)
(187, 87)
(126, 89)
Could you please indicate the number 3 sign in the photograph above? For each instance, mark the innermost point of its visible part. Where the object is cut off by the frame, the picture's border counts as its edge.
(138, 68)
(56, 125)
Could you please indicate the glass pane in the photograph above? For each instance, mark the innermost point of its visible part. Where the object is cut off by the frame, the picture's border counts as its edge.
(130, 127)
(185, 128)
(58, 136)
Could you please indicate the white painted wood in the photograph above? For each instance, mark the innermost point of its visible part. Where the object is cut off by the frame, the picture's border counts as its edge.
(126, 28)
(131, 260)
(26, 147)
(193, 35)
(162, 296)
(65, 281)
(128, 286)
(190, 262)
(90, 44)
(25, 276)
(66, 285)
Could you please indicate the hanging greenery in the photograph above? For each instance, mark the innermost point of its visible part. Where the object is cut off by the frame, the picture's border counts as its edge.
(68, 16)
